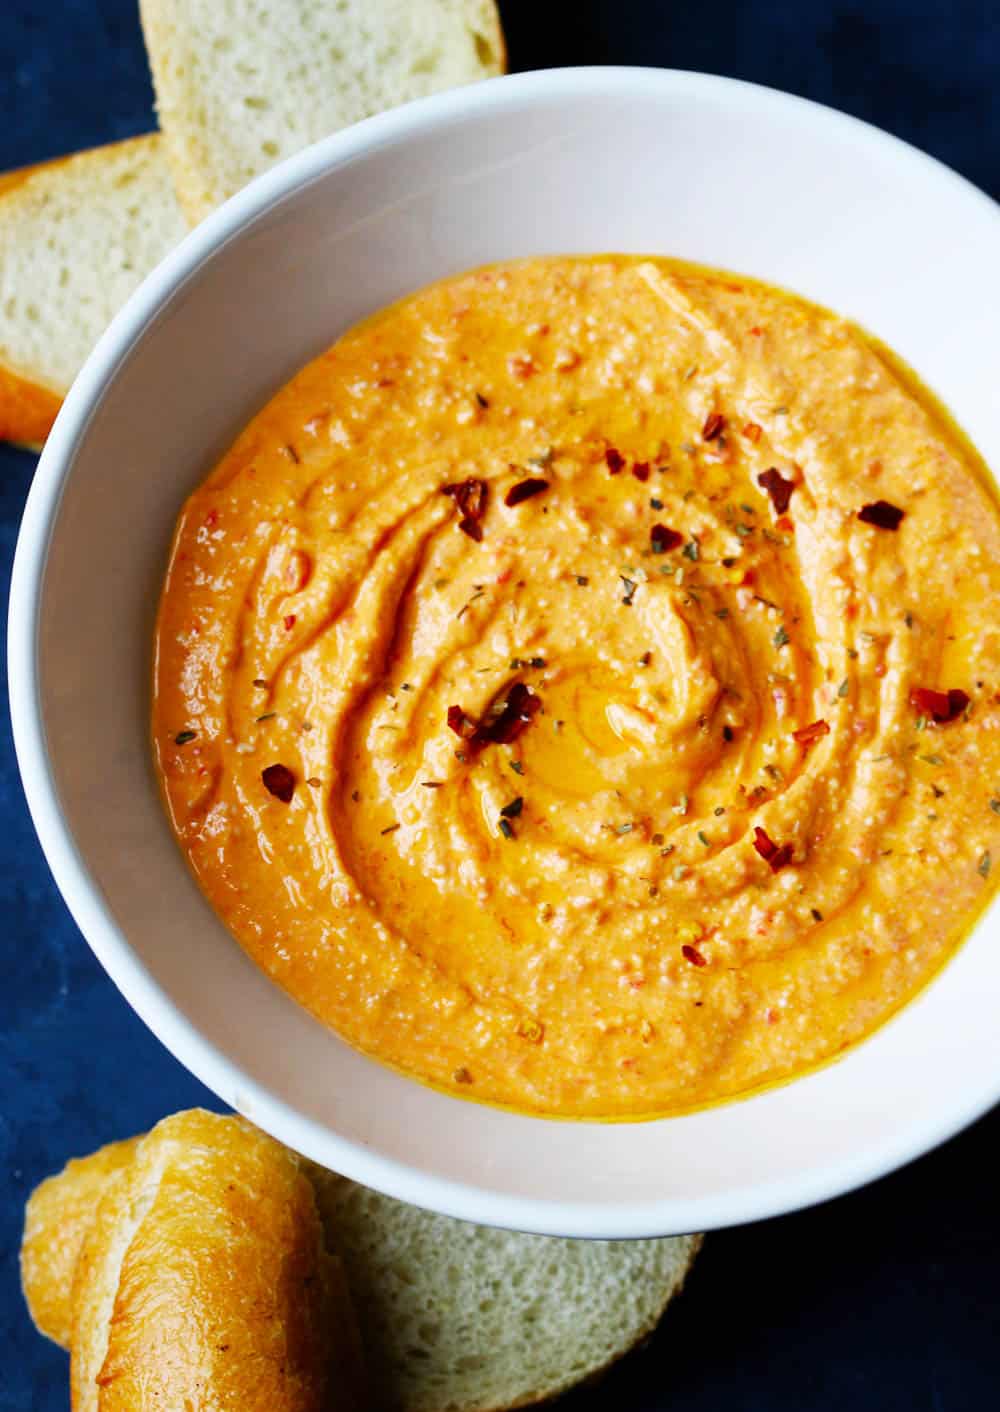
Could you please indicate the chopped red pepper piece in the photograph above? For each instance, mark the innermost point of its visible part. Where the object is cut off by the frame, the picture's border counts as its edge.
(460, 723)
(279, 781)
(524, 490)
(692, 954)
(615, 460)
(808, 734)
(942, 706)
(503, 722)
(715, 425)
(882, 515)
(470, 496)
(662, 540)
(641, 470)
(774, 856)
(521, 706)
(779, 489)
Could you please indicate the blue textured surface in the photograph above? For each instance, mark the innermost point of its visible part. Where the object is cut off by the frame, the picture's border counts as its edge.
(883, 1300)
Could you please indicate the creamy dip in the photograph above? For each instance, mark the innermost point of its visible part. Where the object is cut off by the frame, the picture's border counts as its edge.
(578, 687)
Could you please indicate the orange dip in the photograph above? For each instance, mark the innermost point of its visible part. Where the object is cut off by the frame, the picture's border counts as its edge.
(579, 686)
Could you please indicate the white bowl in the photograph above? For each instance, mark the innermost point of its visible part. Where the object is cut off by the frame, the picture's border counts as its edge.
(577, 160)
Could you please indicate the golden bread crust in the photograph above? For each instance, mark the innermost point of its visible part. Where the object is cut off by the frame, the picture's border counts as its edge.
(204, 1280)
(27, 410)
(56, 1219)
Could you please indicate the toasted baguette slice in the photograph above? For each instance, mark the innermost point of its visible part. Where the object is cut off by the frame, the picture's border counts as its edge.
(203, 1280)
(241, 84)
(455, 1317)
(57, 1217)
(462, 1318)
(76, 237)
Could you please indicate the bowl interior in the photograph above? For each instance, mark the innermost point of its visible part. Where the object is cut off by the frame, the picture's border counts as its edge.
(598, 160)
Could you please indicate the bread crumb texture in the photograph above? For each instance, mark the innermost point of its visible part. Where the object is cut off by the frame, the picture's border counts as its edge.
(462, 1318)
(242, 84)
(76, 238)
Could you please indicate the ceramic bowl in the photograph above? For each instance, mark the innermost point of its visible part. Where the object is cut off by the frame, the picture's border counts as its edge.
(565, 161)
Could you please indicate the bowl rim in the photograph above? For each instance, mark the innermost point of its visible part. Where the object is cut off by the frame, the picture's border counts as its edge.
(79, 889)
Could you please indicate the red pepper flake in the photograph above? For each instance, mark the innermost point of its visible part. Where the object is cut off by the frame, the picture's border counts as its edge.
(470, 496)
(503, 722)
(641, 470)
(775, 857)
(715, 425)
(808, 734)
(519, 709)
(289, 622)
(942, 706)
(615, 460)
(460, 723)
(882, 515)
(692, 954)
(524, 490)
(279, 781)
(753, 432)
(662, 540)
(779, 489)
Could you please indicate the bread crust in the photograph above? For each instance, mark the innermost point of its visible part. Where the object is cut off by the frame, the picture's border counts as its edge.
(27, 410)
(57, 1217)
(203, 1280)
(102, 1183)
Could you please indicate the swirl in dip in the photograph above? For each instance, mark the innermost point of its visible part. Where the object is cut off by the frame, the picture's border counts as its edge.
(578, 687)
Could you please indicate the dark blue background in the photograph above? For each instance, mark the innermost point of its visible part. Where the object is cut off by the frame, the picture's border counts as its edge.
(883, 1300)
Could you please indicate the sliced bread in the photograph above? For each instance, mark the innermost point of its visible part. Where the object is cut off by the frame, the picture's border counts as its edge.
(454, 1317)
(202, 1281)
(241, 84)
(76, 237)
(462, 1318)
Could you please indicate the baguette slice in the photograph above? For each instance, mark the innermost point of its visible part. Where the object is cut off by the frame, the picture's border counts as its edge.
(455, 1317)
(76, 237)
(203, 1281)
(462, 1318)
(241, 84)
